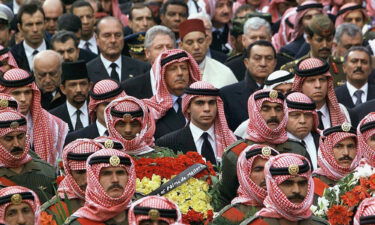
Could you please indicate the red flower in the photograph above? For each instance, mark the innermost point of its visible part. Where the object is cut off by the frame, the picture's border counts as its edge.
(371, 182)
(339, 215)
(59, 179)
(191, 217)
(355, 196)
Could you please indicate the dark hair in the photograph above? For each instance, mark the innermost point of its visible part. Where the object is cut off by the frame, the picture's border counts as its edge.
(138, 6)
(165, 5)
(103, 18)
(360, 49)
(242, 8)
(260, 43)
(69, 22)
(81, 3)
(63, 36)
(30, 8)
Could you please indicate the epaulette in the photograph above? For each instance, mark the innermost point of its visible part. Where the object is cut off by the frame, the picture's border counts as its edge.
(48, 203)
(230, 58)
(232, 214)
(286, 55)
(234, 144)
(296, 141)
(339, 59)
(70, 219)
(319, 220)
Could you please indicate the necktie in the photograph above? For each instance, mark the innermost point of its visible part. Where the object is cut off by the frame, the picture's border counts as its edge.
(358, 94)
(321, 126)
(180, 115)
(35, 52)
(114, 74)
(207, 151)
(106, 133)
(79, 124)
(87, 46)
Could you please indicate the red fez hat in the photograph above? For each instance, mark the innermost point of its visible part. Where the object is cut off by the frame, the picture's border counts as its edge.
(190, 26)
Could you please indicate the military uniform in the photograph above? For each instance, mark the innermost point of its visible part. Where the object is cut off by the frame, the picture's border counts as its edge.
(235, 214)
(62, 208)
(36, 175)
(272, 221)
(229, 183)
(82, 221)
(320, 184)
(336, 68)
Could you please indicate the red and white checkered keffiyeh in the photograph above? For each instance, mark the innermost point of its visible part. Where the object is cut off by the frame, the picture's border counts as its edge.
(153, 202)
(366, 208)
(9, 58)
(276, 203)
(99, 206)
(6, 158)
(367, 152)
(285, 34)
(328, 165)
(145, 139)
(257, 129)
(162, 101)
(298, 25)
(223, 135)
(8, 102)
(300, 98)
(248, 192)
(340, 18)
(34, 204)
(49, 132)
(336, 115)
(68, 185)
(99, 94)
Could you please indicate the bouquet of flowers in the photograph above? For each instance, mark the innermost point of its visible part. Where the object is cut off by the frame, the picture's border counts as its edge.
(191, 193)
(339, 203)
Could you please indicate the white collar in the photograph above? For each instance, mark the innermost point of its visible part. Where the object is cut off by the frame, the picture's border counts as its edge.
(15, 7)
(72, 110)
(197, 132)
(101, 129)
(324, 110)
(29, 50)
(202, 65)
(153, 82)
(353, 89)
(107, 63)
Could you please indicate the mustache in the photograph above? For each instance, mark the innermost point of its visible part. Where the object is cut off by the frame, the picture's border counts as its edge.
(115, 186)
(273, 120)
(263, 183)
(16, 150)
(358, 69)
(79, 95)
(296, 196)
(345, 158)
(324, 49)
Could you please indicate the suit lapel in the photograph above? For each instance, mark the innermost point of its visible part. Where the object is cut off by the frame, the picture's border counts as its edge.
(188, 139)
(316, 138)
(347, 97)
(125, 69)
(67, 117)
(370, 92)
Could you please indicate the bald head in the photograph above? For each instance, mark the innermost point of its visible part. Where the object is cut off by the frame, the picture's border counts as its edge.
(47, 70)
(52, 10)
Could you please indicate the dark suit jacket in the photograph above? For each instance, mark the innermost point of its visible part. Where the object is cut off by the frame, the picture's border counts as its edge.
(86, 55)
(235, 98)
(316, 137)
(62, 112)
(139, 86)
(363, 109)
(90, 132)
(179, 141)
(97, 71)
(219, 39)
(219, 56)
(18, 52)
(168, 123)
(49, 104)
(237, 66)
(344, 97)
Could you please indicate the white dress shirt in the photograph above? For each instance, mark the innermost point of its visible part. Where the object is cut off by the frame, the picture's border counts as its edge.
(16, 7)
(326, 118)
(73, 114)
(29, 52)
(175, 103)
(107, 65)
(92, 44)
(153, 82)
(310, 147)
(198, 139)
(101, 129)
(353, 89)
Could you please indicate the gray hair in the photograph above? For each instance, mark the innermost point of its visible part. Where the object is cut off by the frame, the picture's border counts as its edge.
(202, 16)
(346, 28)
(254, 23)
(48, 54)
(157, 30)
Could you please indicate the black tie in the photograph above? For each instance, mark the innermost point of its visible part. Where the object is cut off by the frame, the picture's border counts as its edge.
(207, 151)
(35, 52)
(87, 46)
(114, 74)
(79, 124)
(106, 133)
(321, 125)
(358, 94)
(180, 115)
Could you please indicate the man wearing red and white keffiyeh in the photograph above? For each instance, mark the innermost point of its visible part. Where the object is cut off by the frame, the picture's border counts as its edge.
(268, 115)
(338, 156)
(71, 191)
(18, 205)
(366, 139)
(252, 190)
(174, 70)
(47, 132)
(365, 212)
(290, 192)
(154, 210)
(110, 188)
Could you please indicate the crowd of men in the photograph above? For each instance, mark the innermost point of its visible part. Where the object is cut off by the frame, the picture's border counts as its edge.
(279, 95)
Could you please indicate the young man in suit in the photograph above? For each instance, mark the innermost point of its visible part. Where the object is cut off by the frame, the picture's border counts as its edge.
(110, 63)
(357, 67)
(157, 39)
(207, 132)
(75, 85)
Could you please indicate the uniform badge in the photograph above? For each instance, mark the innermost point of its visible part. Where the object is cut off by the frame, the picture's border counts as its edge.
(14, 125)
(293, 169)
(266, 151)
(114, 160)
(108, 144)
(4, 103)
(16, 199)
(154, 214)
(346, 127)
(273, 94)
(127, 117)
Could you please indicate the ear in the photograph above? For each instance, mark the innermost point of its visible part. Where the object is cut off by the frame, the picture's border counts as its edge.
(246, 62)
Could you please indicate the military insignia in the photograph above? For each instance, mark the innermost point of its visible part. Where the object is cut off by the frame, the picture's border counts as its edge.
(108, 144)
(346, 127)
(4, 103)
(340, 83)
(154, 214)
(273, 94)
(16, 199)
(293, 169)
(114, 160)
(266, 151)
(14, 125)
(131, 75)
(141, 38)
(68, 220)
(127, 117)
